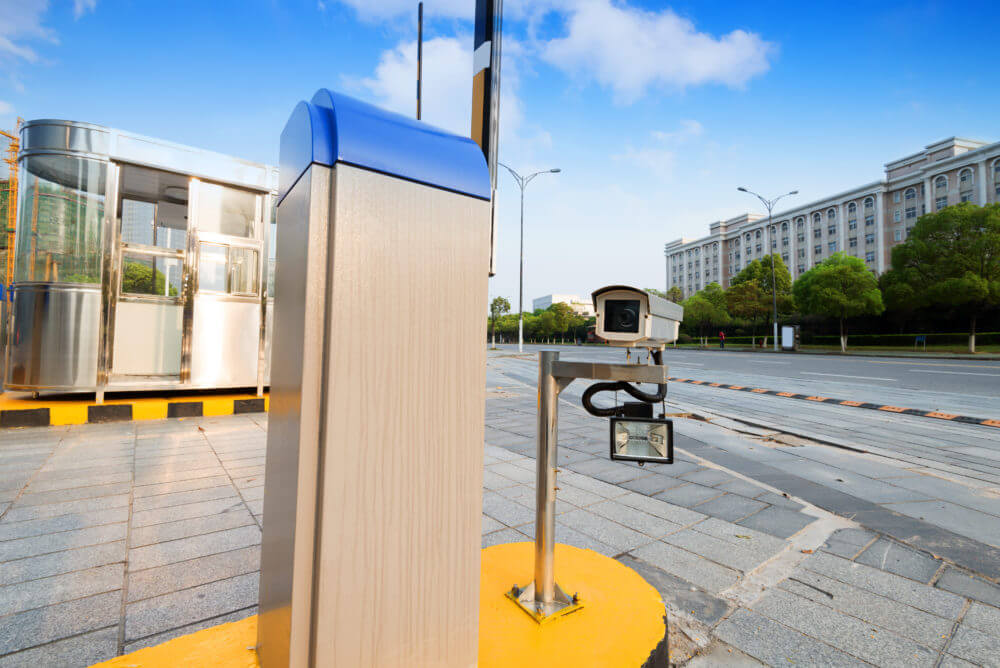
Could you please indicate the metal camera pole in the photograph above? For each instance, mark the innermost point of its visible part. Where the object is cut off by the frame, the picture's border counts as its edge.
(543, 598)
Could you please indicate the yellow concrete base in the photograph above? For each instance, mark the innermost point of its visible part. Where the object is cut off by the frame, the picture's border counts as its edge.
(620, 623)
(224, 646)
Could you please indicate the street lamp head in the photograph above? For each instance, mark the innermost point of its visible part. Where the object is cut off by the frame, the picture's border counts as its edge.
(742, 189)
(555, 171)
(794, 192)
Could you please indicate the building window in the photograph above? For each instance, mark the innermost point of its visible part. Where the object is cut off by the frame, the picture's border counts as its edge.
(831, 230)
(870, 256)
(801, 268)
(831, 214)
(852, 208)
(758, 248)
(832, 246)
(940, 203)
(784, 258)
(911, 212)
(966, 184)
(897, 235)
(869, 203)
(784, 226)
(800, 222)
(818, 249)
(911, 193)
(996, 178)
(784, 241)
(802, 252)
(801, 237)
(756, 234)
(817, 219)
(748, 237)
(897, 216)
(852, 224)
(774, 244)
(869, 238)
(817, 233)
(941, 184)
(853, 242)
(869, 220)
(895, 197)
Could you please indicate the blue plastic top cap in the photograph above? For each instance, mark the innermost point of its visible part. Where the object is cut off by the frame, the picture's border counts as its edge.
(335, 128)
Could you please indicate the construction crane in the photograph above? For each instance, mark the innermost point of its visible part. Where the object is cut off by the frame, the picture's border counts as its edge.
(9, 188)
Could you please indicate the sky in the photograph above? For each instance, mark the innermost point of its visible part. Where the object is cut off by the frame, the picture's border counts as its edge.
(655, 112)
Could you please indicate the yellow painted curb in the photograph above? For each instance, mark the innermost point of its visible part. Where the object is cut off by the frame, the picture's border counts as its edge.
(620, 623)
(224, 646)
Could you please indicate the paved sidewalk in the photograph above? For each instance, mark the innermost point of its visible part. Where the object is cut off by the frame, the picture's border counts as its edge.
(860, 598)
(115, 537)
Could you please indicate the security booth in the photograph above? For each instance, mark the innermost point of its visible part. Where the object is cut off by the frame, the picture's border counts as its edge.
(373, 496)
(140, 264)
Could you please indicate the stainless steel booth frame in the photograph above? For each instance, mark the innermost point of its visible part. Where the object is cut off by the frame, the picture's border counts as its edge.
(93, 371)
(543, 598)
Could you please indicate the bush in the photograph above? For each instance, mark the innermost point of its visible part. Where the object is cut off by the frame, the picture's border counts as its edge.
(899, 340)
(684, 338)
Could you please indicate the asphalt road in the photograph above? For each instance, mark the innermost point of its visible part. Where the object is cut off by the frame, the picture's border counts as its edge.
(965, 377)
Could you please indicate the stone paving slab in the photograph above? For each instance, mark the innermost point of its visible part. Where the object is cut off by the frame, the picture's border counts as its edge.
(193, 555)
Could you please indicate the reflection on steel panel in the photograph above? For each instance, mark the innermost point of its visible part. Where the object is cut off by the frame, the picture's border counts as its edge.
(53, 344)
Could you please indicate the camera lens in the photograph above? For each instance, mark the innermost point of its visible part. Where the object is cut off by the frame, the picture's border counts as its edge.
(622, 315)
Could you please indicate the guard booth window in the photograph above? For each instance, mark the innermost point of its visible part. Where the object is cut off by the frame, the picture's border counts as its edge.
(229, 252)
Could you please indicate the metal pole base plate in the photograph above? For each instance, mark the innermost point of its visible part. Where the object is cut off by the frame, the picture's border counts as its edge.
(541, 612)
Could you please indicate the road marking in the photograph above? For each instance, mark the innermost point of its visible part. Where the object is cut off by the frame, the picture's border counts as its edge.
(956, 366)
(957, 373)
(767, 362)
(840, 375)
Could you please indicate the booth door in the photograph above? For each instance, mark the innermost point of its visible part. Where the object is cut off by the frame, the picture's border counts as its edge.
(151, 270)
(227, 254)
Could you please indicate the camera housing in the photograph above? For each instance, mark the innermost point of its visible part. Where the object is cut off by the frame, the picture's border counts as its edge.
(629, 317)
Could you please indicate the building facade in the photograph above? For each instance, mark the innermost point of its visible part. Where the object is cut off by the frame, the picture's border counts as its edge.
(866, 222)
(584, 307)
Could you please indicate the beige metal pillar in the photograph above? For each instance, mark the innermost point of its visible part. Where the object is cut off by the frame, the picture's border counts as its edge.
(373, 489)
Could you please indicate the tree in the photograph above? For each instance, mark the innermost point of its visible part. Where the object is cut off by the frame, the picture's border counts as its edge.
(951, 259)
(498, 307)
(760, 271)
(841, 288)
(139, 278)
(746, 301)
(562, 316)
(706, 308)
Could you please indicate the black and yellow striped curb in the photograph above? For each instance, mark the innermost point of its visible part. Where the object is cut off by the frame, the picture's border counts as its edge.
(48, 413)
(937, 415)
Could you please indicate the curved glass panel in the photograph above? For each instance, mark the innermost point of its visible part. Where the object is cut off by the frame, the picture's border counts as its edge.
(60, 220)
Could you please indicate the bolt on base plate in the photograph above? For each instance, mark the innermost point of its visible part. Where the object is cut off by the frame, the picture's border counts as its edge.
(560, 606)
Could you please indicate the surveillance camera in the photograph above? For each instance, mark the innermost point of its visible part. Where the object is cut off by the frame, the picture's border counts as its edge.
(631, 317)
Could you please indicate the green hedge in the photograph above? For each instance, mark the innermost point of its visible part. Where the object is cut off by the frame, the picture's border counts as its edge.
(862, 340)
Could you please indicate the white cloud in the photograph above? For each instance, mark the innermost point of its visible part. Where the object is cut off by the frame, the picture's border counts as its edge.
(21, 22)
(81, 7)
(381, 10)
(688, 130)
(6, 107)
(631, 50)
(447, 85)
(660, 155)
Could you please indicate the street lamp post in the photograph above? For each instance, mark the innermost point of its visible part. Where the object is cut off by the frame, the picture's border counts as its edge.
(769, 205)
(522, 183)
